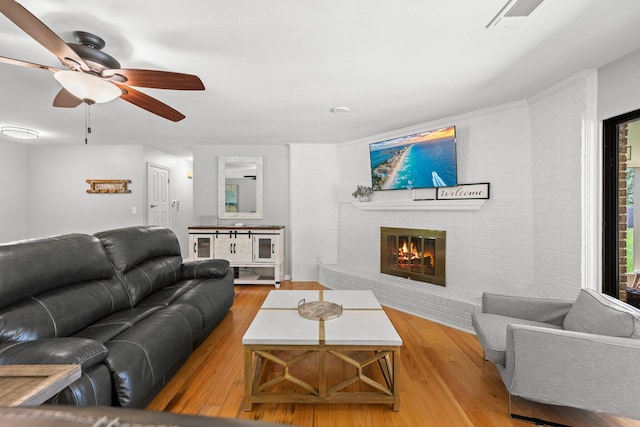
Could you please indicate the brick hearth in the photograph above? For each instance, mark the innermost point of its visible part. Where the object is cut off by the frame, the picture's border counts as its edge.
(443, 305)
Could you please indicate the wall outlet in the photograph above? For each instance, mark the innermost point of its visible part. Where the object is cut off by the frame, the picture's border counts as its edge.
(134, 210)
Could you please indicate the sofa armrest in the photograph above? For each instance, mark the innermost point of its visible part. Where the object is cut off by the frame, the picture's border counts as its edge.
(55, 351)
(536, 309)
(574, 369)
(204, 269)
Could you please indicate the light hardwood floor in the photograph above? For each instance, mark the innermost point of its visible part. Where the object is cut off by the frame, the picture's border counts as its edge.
(444, 380)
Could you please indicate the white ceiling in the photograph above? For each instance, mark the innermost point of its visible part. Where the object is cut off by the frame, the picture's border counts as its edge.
(273, 69)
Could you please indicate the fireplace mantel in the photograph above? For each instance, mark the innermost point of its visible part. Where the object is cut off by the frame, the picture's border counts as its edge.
(422, 205)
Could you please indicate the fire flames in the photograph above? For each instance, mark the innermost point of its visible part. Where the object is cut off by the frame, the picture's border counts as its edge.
(413, 257)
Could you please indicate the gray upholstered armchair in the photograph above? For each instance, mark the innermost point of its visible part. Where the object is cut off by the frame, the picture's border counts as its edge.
(568, 353)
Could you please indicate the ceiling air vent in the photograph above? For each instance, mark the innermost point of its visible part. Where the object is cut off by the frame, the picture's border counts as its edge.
(514, 13)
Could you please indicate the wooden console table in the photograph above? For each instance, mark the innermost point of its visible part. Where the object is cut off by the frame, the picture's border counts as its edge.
(32, 385)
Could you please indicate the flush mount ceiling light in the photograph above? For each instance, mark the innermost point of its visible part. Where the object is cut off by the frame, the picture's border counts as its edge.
(18, 132)
(340, 110)
(91, 89)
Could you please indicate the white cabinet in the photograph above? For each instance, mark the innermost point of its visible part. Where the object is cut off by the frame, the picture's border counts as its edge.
(234, 248)
(266, 248)
(201, 246)
(255, 253)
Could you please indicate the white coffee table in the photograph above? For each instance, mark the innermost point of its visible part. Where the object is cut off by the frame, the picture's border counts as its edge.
(280, 338)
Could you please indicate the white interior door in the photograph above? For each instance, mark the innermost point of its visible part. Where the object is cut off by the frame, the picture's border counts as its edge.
(158, 207)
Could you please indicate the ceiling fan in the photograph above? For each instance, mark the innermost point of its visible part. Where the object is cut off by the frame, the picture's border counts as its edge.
(91, 75)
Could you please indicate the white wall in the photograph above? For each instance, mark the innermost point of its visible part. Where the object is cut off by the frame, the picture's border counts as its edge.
(14, 176)
(314, 220)
(276, 187)
(619, 86)
(58, 200)
(51, 198)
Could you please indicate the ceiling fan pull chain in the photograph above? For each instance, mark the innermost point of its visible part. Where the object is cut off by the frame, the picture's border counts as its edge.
(87, 122)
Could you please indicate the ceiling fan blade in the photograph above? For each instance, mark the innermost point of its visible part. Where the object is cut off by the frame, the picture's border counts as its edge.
(156, 79)
(150, 104)
(27, 64)
(66, 99)
(41, 33)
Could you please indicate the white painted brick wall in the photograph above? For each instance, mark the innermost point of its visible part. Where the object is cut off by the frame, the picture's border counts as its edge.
(556, 156)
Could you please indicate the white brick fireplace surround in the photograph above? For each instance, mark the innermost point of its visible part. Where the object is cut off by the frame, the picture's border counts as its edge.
(360, 255)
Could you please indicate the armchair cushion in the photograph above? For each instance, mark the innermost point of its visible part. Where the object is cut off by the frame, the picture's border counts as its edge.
(596, 313)
(544, 310)
(490, 329)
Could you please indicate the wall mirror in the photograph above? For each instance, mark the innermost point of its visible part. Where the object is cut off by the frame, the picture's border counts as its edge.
(240, 187)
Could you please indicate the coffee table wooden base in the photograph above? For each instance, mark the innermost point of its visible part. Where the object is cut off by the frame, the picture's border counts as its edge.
(269, 367)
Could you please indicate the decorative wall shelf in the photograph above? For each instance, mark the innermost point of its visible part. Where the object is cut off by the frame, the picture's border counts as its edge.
(422, 205)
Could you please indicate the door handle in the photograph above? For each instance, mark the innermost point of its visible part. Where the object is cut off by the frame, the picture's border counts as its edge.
(154, 204)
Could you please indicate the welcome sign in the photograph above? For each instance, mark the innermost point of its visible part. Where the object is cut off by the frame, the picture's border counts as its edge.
(102, 186)
(463, 191)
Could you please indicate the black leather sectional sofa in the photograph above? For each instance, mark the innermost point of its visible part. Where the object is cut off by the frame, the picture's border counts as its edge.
(121, 303)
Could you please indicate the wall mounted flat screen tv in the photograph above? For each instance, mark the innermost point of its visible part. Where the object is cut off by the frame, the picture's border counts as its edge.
(421, 160)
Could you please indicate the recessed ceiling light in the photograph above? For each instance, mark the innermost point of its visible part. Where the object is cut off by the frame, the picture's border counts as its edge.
(18, 132)
(340, 110)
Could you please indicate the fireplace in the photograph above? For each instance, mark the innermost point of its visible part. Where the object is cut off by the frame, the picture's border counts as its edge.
(413, 253)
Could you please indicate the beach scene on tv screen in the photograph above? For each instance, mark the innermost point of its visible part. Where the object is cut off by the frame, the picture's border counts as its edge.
(421, 160)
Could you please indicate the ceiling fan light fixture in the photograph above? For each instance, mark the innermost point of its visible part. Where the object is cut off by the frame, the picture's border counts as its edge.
(89, 88)
(18, 132)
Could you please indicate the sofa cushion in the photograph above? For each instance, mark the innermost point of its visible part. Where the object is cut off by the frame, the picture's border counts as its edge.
(130, 246)
(145, 356)
(213, 298)
(63, 311)
(205, 269)
(491, 330)
(45, 416)
(107, 328)
(92, 388)
(150, 276)
(33, 266)
(55, 351)
(597, 313)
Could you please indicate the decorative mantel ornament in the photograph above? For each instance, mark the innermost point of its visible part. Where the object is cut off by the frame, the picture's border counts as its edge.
(362, 193)
(108, 186)
(463, 191)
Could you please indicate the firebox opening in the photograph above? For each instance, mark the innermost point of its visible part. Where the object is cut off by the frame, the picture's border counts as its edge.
(413, 253)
